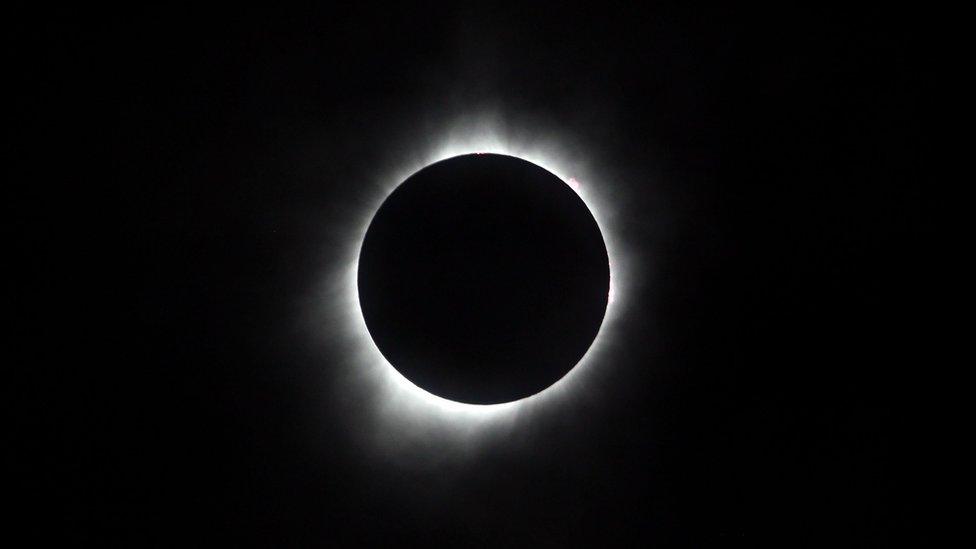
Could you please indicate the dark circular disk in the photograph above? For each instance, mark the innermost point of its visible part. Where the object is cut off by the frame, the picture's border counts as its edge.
(483, 278)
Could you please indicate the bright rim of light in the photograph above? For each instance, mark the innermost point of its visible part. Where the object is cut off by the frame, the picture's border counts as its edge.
(399, 405)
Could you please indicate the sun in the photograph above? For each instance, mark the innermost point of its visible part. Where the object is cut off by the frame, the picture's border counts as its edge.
(397, 405)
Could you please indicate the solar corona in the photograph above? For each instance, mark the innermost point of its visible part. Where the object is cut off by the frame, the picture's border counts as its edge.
(403, 401)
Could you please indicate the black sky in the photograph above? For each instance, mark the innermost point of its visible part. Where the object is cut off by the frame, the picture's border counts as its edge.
(190, 178)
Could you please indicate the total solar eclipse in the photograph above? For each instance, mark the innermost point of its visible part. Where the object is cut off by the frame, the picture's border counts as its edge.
(483, 278)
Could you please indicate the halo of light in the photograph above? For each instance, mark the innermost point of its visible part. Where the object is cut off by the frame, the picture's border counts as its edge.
(402, 408)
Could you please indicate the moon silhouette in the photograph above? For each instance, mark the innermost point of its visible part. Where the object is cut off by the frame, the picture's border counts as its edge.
(483, 278)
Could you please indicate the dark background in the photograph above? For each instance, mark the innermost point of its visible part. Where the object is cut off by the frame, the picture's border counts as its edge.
(182, 175)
